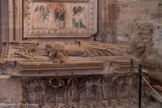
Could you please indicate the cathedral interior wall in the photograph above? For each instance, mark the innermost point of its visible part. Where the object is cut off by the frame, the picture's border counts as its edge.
(135, 23)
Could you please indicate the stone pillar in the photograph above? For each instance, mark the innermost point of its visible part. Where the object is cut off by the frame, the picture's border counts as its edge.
(0, 32)
(108, 18)
(4, 36)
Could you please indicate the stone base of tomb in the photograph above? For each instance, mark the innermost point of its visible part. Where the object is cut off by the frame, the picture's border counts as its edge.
(72, 92)
(81, 82)
(109, 91)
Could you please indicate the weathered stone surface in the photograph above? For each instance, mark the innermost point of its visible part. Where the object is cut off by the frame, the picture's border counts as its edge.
(26, 59)
(113, 90)
(130, 22)
(10, 92)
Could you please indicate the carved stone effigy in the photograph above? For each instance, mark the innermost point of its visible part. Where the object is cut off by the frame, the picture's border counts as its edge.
(85, 49)
(59, 57)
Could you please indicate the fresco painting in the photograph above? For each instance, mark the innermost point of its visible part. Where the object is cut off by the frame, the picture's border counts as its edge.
(77, 17)
(41, 16)
(42, 13)
(58, 16)
(78, 9)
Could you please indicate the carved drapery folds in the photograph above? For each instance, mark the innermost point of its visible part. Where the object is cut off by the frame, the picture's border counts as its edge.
(85, 49)
(91, 49)
(60, 52)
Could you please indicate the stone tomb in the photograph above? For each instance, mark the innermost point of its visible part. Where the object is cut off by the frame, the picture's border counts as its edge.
(43, 73)
(84, 74)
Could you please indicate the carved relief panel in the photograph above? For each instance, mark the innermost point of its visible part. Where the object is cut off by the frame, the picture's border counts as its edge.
(59, 18)
(84, 92)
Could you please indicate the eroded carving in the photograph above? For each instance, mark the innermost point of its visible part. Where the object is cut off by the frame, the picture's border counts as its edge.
(60, 51)
(73, 93)
(27, 51)
(57, 52)
(83, 55)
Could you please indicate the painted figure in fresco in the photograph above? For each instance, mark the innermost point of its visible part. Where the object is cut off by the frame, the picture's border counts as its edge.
(77, 10)
(36, 9)
(42, 13)
(77, 20)
(42, 8)
(60, 16)
(78, 24)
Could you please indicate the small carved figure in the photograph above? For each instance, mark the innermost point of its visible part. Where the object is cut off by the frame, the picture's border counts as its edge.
(57, 52)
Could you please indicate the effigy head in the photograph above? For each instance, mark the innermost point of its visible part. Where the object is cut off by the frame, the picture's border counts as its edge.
(57, 52)
(55, 46)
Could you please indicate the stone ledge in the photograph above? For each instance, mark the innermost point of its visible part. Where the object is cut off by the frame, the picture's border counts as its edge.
(4, 77)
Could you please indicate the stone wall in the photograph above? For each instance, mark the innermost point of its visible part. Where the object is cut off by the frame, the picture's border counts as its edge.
(115, 19)
(108, 14)
(132, 22)
(4, 34)
(10, 92)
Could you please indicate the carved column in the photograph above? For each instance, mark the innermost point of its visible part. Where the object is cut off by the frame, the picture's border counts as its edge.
(11, 19)
(108, 18)
(0, 30)
(18, 20)
(15, 20)
(3, 22)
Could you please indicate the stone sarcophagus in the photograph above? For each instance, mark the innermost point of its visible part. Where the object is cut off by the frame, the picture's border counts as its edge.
(84, 74)
(58, 59)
